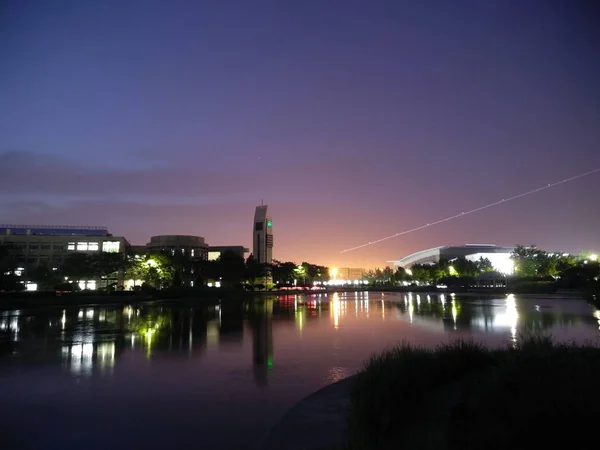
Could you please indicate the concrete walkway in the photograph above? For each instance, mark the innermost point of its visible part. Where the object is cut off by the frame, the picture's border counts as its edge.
(315, 423)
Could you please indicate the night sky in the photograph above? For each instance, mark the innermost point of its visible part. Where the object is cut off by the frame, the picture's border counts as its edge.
(353, 120)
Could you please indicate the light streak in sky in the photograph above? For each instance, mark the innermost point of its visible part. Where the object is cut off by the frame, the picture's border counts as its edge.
(481, 208)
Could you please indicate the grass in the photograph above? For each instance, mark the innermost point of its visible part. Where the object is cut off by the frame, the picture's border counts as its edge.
(464, 396)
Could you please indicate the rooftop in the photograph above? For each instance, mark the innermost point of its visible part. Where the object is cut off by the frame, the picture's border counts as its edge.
(53, 230)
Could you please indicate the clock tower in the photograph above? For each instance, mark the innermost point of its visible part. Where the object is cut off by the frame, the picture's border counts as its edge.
(262, 236)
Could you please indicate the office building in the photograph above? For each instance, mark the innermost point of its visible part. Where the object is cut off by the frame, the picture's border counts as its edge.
(31, 245)
(262, 236)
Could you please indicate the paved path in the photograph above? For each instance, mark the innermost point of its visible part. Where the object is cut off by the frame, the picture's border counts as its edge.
(315, 423)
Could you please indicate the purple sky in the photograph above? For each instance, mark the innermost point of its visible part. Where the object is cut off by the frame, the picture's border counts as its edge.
(353, 120)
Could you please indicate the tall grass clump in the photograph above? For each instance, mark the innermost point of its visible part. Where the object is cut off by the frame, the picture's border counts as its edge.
(464, 396)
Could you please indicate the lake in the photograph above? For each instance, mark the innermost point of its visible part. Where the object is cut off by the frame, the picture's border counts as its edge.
(183, 375)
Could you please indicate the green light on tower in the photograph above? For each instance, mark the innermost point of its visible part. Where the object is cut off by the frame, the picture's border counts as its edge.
(269, 223)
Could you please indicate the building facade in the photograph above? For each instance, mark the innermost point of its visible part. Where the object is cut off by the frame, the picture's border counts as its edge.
(497, 255)
(215, 252)
(192, 247)
(262, 236)
(350, 273)
(33, 245)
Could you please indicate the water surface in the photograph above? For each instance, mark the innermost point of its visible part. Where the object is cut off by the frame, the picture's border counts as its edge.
(186, 376)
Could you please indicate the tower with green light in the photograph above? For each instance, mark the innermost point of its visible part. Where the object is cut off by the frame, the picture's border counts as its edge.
(262, 236)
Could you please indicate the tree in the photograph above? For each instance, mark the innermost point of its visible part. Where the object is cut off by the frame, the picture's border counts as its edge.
(465, 268)
(423, 273)
(484, 265)
(401, 275)
(155, 269)
(232, 269)
(78, 266)
(43, 276)
(8, 280)
(176, 280)
(255, 270)
(527, 260)
(315, 272)
(387, 275)
(283, 272)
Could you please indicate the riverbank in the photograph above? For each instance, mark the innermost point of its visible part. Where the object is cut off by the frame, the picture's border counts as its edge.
(464, 396)
(324, 413)
(23, 300)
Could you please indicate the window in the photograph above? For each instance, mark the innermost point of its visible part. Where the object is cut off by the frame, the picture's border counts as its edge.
(47, 246)
(93, 246)
(82, 246)
(58, 247)
(258, 226)
(192, 253)
(71, 246)
(111, 246)
(35, 246)
(183, 251)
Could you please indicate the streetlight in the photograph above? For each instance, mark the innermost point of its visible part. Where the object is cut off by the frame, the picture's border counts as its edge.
(593, 257)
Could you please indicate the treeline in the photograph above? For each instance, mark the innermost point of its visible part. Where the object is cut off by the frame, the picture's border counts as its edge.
(529, 264)
(158, 271)
(438, 272)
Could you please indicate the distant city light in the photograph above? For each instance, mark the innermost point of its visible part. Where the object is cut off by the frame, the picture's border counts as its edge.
(593, 257)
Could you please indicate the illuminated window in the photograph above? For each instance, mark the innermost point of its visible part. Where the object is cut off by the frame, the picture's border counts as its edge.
(183, 251)
(82, 246)
(71, 246)
(110, 246)
(192, 253)
(93, 246)
(213, 256)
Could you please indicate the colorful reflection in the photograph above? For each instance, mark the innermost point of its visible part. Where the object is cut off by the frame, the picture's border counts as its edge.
(88, 339)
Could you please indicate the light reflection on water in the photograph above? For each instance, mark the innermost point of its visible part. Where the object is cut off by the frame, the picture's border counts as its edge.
(249, 361)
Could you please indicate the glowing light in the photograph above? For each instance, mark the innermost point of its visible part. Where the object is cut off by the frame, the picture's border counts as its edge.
(333, 272)
(111, 246)
(32, 286)
(593, 257)
(451, 270)
(481, 208)
(335, 303)
(454, 313)
(63, 321)
(408, 272)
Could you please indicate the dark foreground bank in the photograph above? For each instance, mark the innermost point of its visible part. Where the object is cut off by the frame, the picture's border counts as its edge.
(464, 396)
